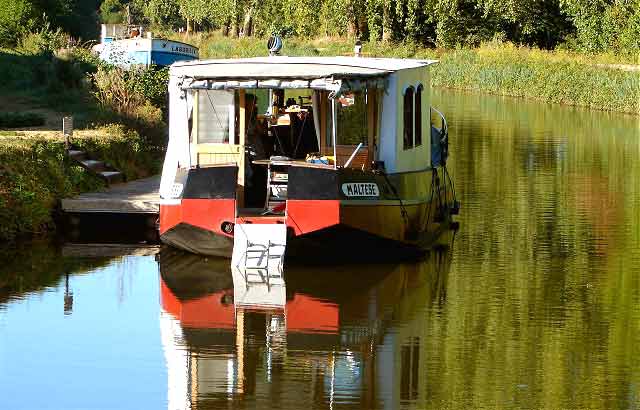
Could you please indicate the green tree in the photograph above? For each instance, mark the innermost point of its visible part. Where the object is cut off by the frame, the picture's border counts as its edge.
(112, 12)
(15, 19)
(164, 13)
(605, 24)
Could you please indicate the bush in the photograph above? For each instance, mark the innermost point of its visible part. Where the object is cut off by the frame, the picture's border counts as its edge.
(20, 119)
(45, 41)
(127, 97)
(27, 197)
(15, 19)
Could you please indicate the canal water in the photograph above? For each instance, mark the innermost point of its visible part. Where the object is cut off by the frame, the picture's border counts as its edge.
(535, 303)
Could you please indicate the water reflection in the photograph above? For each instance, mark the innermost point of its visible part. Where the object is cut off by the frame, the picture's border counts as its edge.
(538, 307)
(345, 335)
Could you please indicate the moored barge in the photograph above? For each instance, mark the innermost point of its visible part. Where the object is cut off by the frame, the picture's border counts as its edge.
(340, 155)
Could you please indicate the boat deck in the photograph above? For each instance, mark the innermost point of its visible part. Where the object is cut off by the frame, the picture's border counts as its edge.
(136, 197)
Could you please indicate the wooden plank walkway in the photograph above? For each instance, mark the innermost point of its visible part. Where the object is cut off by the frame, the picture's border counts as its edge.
(108, 250)
(136, 197)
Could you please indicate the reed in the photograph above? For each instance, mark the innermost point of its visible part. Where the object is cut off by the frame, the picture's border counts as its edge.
(555, 77)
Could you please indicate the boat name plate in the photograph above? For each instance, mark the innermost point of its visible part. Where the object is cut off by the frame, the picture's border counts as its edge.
(368, 189)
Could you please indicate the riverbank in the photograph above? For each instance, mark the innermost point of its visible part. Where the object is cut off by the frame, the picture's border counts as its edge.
(603, 82)
(35, 173)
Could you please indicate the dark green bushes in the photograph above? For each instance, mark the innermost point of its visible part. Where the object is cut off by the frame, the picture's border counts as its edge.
(33, 174)
(20, 119)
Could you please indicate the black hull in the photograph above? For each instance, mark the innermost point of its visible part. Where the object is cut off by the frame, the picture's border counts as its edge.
(197, 240)
(339, 243)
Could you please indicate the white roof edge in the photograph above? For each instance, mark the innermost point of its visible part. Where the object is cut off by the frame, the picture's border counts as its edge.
(295, 66)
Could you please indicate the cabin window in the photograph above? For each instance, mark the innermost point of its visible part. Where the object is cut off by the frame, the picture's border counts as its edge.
(408, 118)
(216, 116)
(353, 122)
(418, 116)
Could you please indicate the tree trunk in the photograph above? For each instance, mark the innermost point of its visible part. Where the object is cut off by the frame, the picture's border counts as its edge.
(363, 28)
(247, 26)
(386, 21)
(189, 25)
(225, 28)
(352, 29)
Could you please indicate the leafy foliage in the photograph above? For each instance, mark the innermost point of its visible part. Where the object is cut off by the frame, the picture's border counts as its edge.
(112, 12)
(15, 20)
(591, 26)
(74, 17)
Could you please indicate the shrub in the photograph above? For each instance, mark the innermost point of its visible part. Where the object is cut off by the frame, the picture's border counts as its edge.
(45, 41)
(20, 119)
(15, 19)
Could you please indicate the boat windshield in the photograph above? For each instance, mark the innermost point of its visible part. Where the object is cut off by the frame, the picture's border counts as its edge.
(352, 119)
(216, 116)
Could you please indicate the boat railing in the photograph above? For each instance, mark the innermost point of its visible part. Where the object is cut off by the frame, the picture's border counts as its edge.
(439, 139)
(443, 122)
(355, 152)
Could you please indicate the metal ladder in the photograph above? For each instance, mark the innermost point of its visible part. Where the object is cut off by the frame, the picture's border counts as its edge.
(260, 269)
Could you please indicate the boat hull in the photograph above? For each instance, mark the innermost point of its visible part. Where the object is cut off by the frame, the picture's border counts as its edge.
(146, 51)
(339, 214)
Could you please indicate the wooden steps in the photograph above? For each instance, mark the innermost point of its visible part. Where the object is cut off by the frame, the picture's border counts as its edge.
(99, 168)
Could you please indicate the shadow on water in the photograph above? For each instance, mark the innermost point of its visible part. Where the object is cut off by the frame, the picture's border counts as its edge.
(31, 267)
(345, 335)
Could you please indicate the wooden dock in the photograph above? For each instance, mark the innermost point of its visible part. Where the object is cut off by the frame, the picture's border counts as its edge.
(108, 250)
(136, 197)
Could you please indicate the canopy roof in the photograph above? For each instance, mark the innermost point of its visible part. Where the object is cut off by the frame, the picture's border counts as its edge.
(307, 68)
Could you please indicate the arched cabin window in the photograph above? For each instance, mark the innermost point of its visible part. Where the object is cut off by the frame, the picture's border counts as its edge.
(408, 118)
(418, 115)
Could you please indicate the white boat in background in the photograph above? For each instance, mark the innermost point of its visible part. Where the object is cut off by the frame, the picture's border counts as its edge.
(126, 45)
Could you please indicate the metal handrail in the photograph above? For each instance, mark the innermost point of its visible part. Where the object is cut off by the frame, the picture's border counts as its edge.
(445, 127)
(346, 165)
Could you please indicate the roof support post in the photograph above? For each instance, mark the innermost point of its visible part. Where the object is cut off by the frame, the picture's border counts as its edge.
(334, 131)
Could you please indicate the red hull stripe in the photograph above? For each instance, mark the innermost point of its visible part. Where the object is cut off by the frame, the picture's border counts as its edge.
(170, 216)
(306, 216)
(207, 214)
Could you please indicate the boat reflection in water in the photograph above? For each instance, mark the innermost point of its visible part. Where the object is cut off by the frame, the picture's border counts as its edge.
(348, 335)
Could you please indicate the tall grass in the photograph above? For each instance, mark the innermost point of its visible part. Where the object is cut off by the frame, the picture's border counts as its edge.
(542, 75)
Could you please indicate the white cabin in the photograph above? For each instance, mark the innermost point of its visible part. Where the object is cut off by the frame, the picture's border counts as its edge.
(381, 103)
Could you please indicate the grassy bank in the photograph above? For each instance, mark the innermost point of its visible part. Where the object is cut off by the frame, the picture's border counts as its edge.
(35, 173)
(602, 82)
(555, 77)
